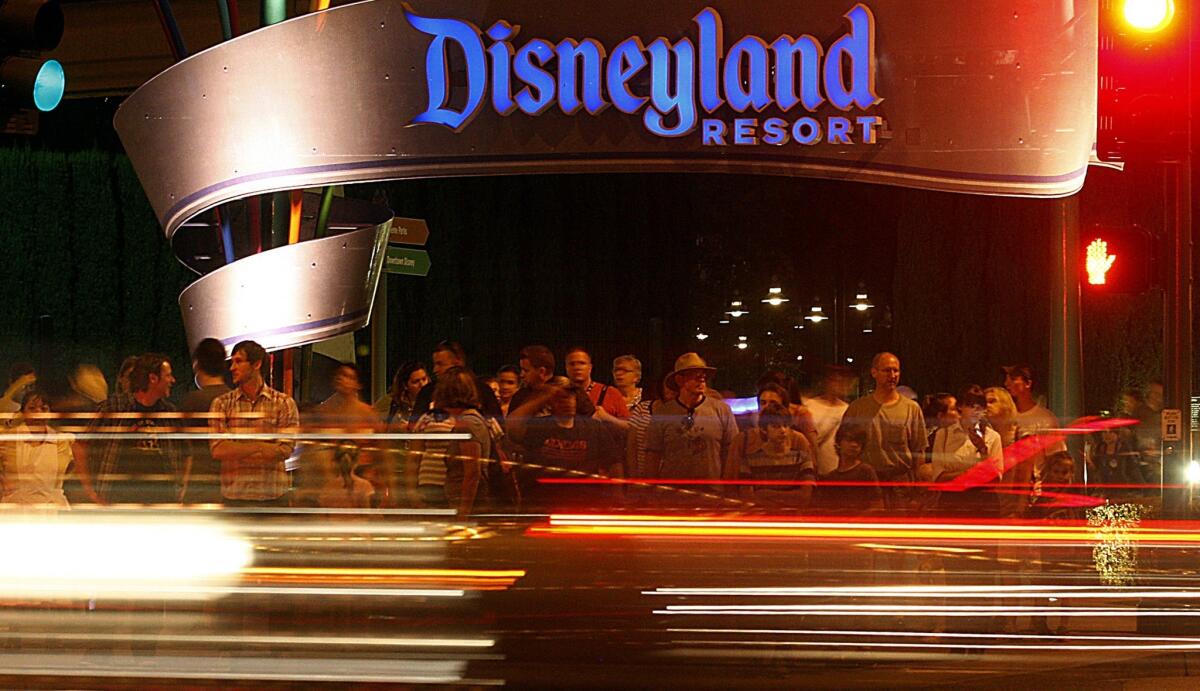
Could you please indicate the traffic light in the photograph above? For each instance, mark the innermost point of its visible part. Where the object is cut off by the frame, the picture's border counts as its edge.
(1116, 259)
(1143, 79)
(27, 80)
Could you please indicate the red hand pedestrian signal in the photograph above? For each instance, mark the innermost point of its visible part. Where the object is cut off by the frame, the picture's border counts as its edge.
(1117, 259)
(1099, 261)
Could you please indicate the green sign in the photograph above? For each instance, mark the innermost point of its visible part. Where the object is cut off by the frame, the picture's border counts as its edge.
(406, 261)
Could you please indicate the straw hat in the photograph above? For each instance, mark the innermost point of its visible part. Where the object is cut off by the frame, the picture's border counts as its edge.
(688, 362)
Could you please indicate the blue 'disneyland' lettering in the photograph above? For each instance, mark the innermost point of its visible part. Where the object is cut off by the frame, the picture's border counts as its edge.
(685, 79)
(437, 69)
(501, 53)
(539, 80)
(856, 47)
(665, 97)
(628, 58)
(570, 53)
(747, 88)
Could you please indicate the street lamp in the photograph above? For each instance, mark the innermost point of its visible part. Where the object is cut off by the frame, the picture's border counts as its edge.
(861, 303)
(817, 314)
(736, 309)
(775, 297)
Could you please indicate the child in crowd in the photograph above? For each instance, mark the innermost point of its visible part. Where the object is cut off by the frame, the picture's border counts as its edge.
(1057, 474)
(853, 487)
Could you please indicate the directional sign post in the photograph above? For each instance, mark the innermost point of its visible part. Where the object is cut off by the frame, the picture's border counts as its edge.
(406, 261)
(409, 231)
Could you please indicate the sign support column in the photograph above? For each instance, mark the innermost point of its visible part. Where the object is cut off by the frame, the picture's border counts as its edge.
(1065, 383)
(1177, 328)
(379, 326)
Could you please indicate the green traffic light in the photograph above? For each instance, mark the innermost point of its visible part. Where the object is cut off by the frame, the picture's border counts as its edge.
(49, 86)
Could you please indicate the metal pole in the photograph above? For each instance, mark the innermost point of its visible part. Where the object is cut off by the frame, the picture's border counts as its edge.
(1177, 325)
(379, 363)
(1066, 353)
(837, 325)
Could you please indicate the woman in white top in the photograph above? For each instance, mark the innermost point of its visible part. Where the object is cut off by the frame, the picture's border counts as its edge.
(35, 458)
(969, 446)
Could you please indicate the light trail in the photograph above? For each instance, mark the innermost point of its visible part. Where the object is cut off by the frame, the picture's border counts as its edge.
(940, 592)
(669, 526)
(920, 548)
(848, 610)
(240, 667)
(65, 556)
(918, 645)
(241, 436)
(466, 579)
(348, 641)
(926, 634)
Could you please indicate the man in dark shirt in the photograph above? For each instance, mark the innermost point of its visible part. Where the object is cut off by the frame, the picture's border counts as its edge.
(202, 474)
(567, 444)
(446, 356)
(133, 464)
(537, 368)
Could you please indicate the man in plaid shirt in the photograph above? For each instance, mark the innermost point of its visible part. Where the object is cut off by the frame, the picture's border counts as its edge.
(252, 471)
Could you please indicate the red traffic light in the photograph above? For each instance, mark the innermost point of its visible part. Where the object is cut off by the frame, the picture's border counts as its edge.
(1148, 16)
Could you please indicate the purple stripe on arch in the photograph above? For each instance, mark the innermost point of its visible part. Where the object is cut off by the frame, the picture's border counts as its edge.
(401, 164)
(328, 321)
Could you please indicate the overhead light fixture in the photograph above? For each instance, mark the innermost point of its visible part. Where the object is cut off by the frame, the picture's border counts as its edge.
(861, 303)
(742, 346)
(775, 297)
(700, 336)
(817, 314)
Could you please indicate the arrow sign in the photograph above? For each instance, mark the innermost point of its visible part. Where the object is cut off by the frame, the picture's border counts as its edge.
(406, 261)
(409, 231)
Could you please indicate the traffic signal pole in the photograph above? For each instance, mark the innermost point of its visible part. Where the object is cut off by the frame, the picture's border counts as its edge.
(1177, 326)
(1065, 385)
(1178, 295)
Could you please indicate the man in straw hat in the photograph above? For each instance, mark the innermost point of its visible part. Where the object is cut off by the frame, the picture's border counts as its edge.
(689, 437)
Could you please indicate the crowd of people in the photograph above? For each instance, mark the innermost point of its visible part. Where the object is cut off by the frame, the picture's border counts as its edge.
(531, 439)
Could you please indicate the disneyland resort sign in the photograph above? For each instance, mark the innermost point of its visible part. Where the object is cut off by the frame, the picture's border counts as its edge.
(981, 99)
(688, 80)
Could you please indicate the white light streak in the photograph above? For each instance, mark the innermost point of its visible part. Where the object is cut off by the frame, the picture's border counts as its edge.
(266, 668)
(850, 610)
(941, 592)
(127, 557)
(360, 641)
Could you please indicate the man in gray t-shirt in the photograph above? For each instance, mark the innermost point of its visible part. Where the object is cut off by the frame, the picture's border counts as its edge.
(895, 427)
(689, 437)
